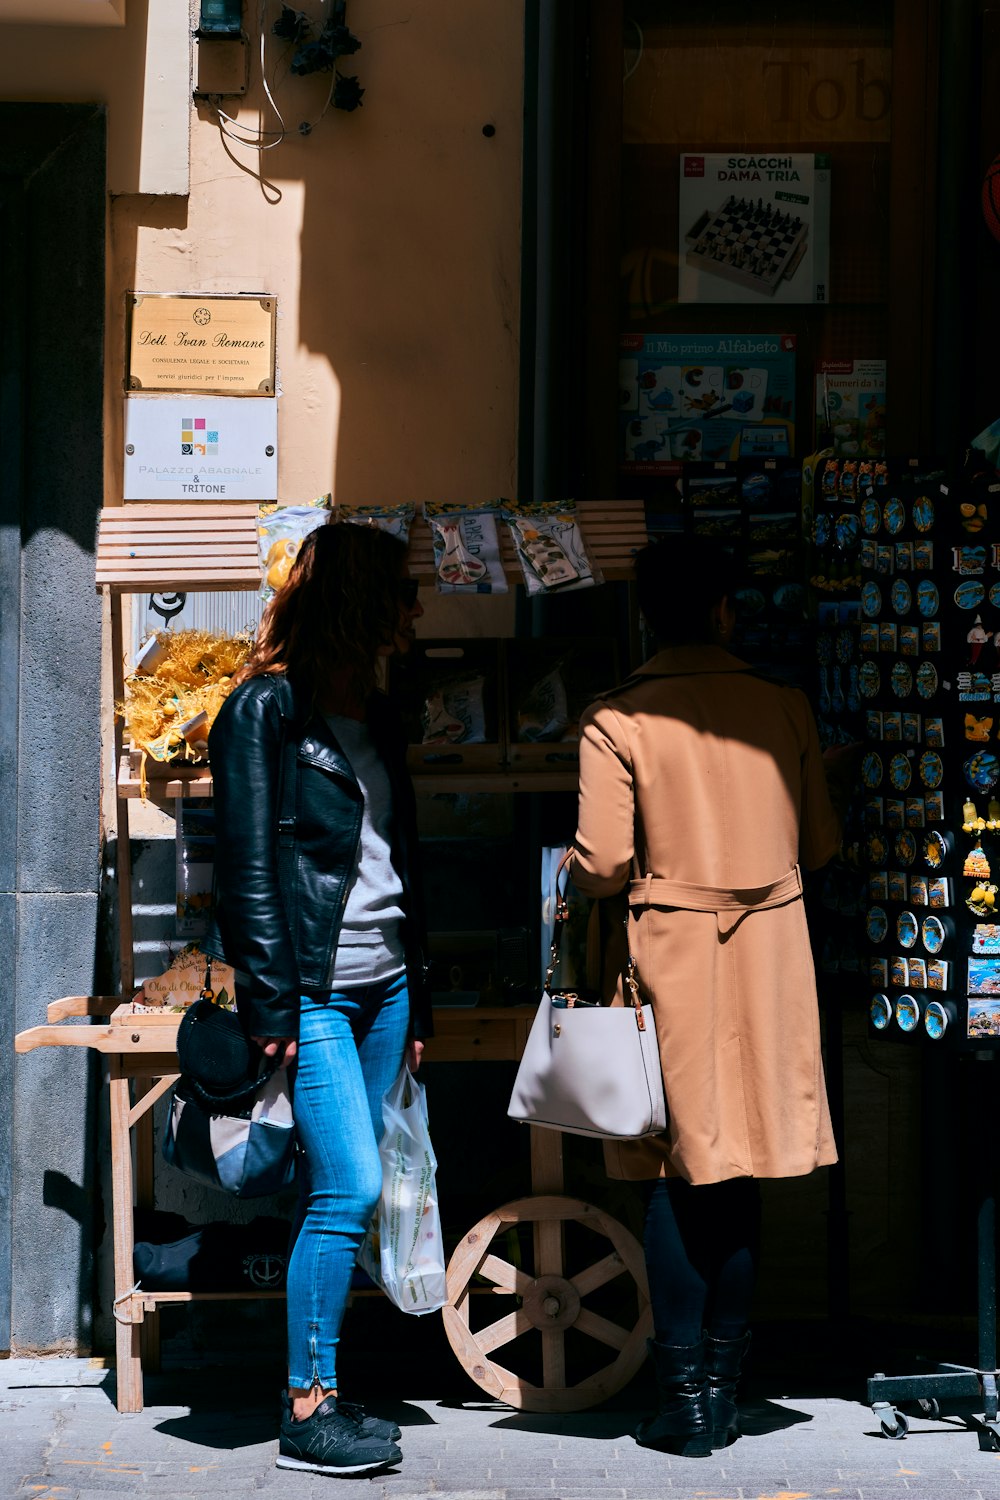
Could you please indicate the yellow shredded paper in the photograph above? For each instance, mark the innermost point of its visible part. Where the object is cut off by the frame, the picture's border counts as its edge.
(195, 676)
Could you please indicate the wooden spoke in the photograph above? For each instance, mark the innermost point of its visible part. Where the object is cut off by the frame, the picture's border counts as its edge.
(505, 1277)
(600, 1328)
(502, 1331)
(601, 1271)
(554, 1360)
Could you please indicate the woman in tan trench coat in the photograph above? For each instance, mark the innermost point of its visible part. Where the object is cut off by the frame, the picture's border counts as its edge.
(702, 790)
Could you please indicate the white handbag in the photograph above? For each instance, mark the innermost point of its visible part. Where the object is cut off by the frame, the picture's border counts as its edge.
(588, 1068)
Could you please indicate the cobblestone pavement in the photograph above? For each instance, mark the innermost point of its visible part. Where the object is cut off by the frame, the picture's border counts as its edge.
(62, 1439)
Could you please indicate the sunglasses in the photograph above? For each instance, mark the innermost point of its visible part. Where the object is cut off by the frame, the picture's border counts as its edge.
(406, 592)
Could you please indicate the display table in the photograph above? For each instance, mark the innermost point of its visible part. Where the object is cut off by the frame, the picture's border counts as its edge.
(142, 1066)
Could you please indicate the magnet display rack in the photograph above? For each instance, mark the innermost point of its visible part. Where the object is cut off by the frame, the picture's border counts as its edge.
(929, 684)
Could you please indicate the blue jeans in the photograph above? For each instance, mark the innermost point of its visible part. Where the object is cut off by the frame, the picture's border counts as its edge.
(350, 1051)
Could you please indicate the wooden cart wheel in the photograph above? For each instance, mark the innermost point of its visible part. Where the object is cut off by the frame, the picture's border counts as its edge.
(551, 1302)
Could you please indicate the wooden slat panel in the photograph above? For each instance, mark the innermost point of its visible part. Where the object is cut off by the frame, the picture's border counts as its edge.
(212, 547)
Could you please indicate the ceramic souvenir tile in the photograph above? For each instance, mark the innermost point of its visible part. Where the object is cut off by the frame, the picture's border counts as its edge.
(897, 885)
(918, 890)
(938, 973)
(914, 816)
(909, 640)
(892, 725)
(934, 807)
(934, 732)
(931, 632)
(911, 728)
(916, 971)
(895, 813)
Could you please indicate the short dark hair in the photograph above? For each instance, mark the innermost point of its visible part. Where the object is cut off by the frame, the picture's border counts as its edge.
(678, 579)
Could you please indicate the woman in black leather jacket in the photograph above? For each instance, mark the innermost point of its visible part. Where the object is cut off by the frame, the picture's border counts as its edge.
(318, 911)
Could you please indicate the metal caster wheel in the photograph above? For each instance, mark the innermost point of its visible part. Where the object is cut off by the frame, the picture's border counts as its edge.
(897, 1428)
(989, 1437)
(929, 1408)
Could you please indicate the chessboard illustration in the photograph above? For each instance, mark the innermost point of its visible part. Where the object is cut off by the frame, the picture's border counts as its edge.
(749, 242)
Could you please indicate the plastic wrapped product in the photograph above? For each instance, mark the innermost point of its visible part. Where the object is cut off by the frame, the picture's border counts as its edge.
(550, 548)
(466, 550)
(281, 530)
(396, 519)
(454, 711)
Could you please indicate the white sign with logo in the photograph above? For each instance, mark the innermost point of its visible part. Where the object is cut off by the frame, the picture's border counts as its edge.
(200, 448)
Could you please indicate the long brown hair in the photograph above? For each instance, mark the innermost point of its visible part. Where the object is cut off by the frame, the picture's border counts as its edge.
(339, 605)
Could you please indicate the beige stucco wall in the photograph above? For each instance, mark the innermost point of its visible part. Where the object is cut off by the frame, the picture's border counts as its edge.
(390, 236)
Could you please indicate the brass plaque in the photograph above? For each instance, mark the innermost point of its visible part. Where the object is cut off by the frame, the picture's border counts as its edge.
(192, 344)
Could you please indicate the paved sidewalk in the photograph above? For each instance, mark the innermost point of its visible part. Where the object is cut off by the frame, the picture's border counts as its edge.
(62, 1439)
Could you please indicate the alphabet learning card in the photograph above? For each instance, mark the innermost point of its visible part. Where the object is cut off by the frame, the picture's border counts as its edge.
(754, 227)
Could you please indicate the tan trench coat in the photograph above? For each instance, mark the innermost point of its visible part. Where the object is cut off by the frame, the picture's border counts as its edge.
(701, 788)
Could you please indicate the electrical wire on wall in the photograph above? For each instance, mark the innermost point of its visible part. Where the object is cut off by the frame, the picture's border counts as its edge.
(312, 51)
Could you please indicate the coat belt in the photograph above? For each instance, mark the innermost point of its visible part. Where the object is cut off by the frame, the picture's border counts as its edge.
(654, 890)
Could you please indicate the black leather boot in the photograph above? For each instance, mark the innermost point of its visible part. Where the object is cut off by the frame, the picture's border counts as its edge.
(723, 1364)
(682, 1424)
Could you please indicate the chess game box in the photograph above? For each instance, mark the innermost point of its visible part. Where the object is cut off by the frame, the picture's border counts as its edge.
(754, 227)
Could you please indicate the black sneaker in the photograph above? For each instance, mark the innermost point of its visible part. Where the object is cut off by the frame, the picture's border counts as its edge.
(330, 1442)
(368, 1426)
(376, 1427)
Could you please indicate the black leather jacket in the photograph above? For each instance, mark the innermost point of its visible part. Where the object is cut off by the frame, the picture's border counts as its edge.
(287, 826)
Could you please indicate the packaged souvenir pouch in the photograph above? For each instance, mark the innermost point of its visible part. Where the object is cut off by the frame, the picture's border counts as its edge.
(281, 530)
(396, 519)
(466, 549)
(550, 547)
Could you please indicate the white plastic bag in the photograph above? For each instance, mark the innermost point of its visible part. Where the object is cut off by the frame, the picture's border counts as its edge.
(403, 1251)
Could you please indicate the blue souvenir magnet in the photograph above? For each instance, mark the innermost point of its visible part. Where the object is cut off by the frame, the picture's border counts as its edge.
(821, 529)
(869, 680)
(907, 1013)
(969, 560)
(995, 595)
(938, 972)
(898, 972)
(900, 772)
(871, 599)
(880, 1011)
(923, 513)
(928, 599)
(901, 679)
(896, 881)
(970, 594)
(927, 679)
(878, 887)
(846, 531)
(931, 768)
(909, 640)
(932, 935)
(918, 890)
(894, 516)
(871, 515)
(907, 929)
(876, 924)
(934, 732)
(871, 770)
(986, 938)
(901, 595)
(982, 770)
(935, 1020)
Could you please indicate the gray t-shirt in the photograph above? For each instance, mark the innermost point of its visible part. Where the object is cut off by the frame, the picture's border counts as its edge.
(370, 946)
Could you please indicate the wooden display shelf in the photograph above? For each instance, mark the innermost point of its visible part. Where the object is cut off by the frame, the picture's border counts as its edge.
(165, 783)
(203, 547)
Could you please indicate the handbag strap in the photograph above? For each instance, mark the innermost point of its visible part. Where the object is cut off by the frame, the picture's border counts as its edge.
(559, 919)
